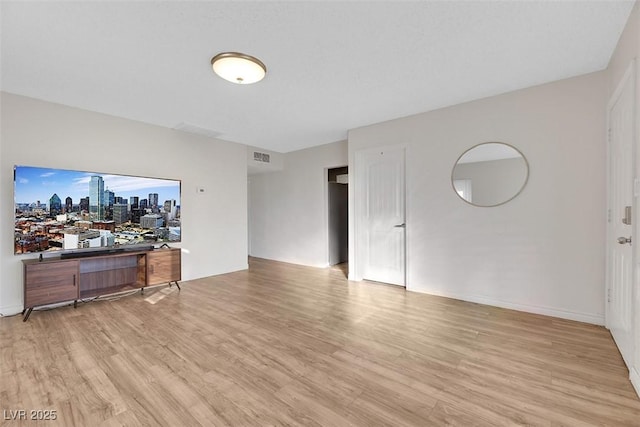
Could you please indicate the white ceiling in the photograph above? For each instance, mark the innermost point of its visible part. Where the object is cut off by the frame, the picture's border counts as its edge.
(332, 66)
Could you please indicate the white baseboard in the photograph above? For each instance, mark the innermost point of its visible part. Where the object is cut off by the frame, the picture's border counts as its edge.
(547, 311)
(10, 310)
(295, 261)
(634, 376)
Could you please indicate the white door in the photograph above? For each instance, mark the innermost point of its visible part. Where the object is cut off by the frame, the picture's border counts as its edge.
(620, 269)
(384, 215)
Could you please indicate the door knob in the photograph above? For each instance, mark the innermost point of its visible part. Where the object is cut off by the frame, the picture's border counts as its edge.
(400, 226)
(623, 240)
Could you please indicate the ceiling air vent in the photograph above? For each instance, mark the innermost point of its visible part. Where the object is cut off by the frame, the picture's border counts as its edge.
(261, 157)
(198, 130)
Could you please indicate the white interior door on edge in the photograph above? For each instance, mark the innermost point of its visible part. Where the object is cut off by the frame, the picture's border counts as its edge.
(620, 275)
(384, 215)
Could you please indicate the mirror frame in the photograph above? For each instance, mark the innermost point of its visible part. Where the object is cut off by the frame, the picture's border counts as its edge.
(524, 184)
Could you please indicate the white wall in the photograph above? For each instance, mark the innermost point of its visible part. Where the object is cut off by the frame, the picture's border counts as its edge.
(288, 209)
(214, 224)
(541, 252)
(627, 50)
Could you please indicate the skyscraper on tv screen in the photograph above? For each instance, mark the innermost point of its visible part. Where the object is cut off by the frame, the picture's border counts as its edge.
(96, 198)
(153, 202)
(55, 205)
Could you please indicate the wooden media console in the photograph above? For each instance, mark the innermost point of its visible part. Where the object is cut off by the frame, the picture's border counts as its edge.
(56, 280)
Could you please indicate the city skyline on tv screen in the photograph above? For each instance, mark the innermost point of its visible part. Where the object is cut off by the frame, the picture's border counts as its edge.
(58, 209)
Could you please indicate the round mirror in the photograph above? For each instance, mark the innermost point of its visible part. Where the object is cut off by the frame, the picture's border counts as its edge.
(490, 174)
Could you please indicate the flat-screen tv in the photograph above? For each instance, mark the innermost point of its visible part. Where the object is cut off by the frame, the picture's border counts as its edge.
(69, 211)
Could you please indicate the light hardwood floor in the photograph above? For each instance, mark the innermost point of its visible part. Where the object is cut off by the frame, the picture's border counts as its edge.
(287, 345)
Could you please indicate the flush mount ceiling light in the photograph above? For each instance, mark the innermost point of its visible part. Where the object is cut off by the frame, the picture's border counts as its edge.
(238, 67)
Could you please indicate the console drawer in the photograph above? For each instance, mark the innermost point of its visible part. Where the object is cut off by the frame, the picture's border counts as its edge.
(50, 282)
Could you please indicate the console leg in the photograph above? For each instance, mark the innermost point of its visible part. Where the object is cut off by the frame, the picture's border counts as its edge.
(141, 291)
(27, 315)
(176, 282)
(75, 303)
(24, 311)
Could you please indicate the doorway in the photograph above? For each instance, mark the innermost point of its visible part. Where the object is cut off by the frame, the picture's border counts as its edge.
(338, 217)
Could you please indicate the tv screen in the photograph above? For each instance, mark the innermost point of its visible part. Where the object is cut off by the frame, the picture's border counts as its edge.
(69, 211)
